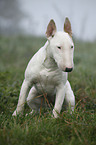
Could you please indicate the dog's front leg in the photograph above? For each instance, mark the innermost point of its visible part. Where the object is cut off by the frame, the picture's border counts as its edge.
(22, 97)
(60, 94)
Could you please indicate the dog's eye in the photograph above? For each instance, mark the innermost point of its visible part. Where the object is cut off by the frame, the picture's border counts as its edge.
(72, 46)
(58, 47)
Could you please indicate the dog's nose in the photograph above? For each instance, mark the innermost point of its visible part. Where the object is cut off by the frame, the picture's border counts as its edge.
(68, 69)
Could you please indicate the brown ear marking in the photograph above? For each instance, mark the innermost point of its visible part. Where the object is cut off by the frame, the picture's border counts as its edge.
(51, 29)
(67, 27)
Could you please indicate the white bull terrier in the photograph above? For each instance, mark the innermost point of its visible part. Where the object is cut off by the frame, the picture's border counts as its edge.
(47, 72)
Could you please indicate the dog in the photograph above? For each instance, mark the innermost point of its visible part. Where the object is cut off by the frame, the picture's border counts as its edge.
(47, 72)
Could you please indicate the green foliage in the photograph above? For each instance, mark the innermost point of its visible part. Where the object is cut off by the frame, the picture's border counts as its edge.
(41, 128)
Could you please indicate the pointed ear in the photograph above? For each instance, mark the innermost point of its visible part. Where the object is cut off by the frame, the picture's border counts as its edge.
(51, 29)
(67, 27)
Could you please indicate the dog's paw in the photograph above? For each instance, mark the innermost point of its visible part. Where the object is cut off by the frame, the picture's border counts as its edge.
(55, 114)
(20, 113)
(15, 113)
(29, 113)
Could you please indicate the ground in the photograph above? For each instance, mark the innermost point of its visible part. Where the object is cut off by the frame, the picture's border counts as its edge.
(41, 128)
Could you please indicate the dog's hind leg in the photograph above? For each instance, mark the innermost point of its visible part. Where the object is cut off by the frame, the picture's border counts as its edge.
(69, 96)
(34, 99)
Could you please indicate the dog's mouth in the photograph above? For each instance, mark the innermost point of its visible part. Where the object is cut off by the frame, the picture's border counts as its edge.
(68, 69)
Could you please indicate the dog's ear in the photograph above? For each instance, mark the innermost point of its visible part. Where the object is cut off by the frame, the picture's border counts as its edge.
(51, 29)
(67, 27)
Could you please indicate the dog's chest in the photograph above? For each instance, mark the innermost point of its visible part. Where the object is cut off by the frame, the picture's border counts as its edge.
(50, 73)
(48, 76)
(48, 79)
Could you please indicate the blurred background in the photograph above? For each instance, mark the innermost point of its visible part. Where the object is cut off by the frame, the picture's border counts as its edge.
(31, 17)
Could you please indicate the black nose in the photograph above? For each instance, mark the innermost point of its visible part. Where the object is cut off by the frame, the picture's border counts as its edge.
(68, 69)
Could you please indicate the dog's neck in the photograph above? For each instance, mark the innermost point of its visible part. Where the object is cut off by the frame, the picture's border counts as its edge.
(48, 50)
(49, 61)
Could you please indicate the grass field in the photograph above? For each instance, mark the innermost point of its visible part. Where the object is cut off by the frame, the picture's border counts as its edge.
(42, 129)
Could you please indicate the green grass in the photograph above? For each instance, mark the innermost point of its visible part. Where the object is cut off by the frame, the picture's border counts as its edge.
(36, 129)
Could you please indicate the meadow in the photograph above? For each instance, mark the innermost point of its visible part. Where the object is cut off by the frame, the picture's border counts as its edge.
(41, 128)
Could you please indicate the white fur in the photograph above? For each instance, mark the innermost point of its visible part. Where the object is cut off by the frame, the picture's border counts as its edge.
(45, 74)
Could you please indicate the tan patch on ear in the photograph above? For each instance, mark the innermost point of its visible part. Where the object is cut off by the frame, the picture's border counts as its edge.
(51, 29)
(67, 27)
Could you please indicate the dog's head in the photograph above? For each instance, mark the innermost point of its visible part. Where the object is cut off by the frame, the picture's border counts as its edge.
(61, 45)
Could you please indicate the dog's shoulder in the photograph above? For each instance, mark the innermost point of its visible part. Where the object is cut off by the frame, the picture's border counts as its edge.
(36, 62)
